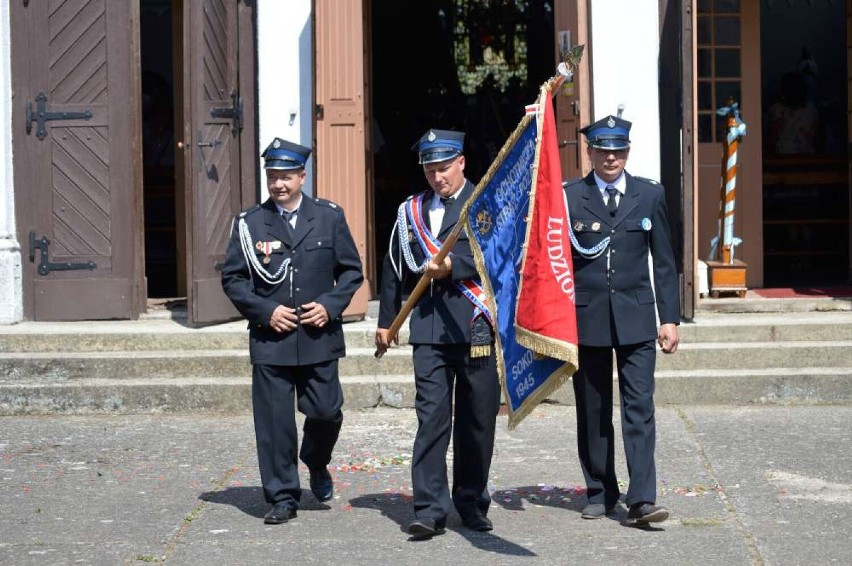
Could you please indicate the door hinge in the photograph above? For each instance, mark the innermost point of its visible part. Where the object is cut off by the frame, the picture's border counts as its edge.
(44, 265)
(41, 115)
(319, 112)
(235, 112)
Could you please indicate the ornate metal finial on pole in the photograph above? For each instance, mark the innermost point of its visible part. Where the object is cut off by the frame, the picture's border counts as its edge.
(571, 58)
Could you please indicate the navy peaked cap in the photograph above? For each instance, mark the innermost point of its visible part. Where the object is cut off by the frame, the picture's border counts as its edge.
(439, 145)
(282, 154)
(611, 132)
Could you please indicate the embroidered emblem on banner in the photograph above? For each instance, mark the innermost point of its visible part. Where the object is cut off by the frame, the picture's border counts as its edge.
(484, 224)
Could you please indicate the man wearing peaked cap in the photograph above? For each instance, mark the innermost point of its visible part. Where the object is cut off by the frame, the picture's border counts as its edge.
(455, 368)
(439, 145)
(285, 155)
(611, 132)
(617, 303)
(291, 270)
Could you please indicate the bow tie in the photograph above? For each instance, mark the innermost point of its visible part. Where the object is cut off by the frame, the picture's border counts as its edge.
(448, 201)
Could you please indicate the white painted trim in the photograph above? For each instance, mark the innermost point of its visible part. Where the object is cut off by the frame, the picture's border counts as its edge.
(284, 77)
(11, 282)
(626, 52)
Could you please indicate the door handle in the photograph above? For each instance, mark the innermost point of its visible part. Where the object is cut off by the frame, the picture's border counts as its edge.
(201, 145)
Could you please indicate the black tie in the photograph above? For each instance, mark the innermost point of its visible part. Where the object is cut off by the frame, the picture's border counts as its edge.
(611, 204)
(288, 228)
(448, 201)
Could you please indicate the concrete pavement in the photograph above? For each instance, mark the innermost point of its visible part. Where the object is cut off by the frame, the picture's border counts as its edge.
(747, 485)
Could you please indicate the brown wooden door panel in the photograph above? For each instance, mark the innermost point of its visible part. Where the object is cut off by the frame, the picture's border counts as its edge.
(213, 156)
(340, 133)
(572, 101)
(102, 298)
(77, 179)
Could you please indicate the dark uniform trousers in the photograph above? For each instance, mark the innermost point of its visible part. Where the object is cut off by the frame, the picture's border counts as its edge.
(595, 434)
(317, 392)
(440, 372)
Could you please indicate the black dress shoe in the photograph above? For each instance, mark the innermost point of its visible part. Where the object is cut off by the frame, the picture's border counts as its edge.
(425, 528)
(644, 513)
(597, 511)
(322, 485)
(476, 520)
(281, 512)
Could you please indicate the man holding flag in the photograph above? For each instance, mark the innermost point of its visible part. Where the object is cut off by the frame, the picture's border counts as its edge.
(617, 221)
(458, 394)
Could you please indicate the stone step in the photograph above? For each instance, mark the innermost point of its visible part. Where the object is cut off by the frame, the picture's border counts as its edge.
(168, 334)
(233, 394)
(167, 365)
(19, 367)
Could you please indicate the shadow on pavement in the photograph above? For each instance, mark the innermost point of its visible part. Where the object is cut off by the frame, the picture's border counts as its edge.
(249, 500)
(397, 508)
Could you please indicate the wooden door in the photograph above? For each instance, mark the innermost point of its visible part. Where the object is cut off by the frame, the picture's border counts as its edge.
(689, 290)
(727, 37)
(77, 166)
(572, 102)
(340, 150)
(219, 155)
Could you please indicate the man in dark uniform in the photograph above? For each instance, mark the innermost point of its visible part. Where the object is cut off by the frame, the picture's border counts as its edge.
(615, 299)
(455, 369)
(291, 269)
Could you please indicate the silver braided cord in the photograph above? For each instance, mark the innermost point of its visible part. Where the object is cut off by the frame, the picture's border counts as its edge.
(590, 253)
(401, 229)
(251, 258)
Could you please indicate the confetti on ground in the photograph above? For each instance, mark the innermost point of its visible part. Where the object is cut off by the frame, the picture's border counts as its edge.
(371, 464)
(693, 490)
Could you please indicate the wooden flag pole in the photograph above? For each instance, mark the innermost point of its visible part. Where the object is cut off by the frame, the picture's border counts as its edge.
(563, 71)
(423, 284)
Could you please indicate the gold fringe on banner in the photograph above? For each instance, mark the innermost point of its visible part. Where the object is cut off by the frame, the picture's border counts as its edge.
(558, 349)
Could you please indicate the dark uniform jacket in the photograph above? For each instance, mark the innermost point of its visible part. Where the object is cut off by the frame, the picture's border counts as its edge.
(325, 267)
(443, 314)
(622, 289)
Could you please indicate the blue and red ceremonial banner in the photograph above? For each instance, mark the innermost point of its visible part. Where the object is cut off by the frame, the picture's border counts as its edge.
(517, 223)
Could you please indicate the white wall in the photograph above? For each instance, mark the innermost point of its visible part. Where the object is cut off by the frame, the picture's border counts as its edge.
(625, 44)
(11, 284)
(284, 76)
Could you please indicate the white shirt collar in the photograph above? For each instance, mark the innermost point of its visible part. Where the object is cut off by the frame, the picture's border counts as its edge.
(281, 208)
(620, 184)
